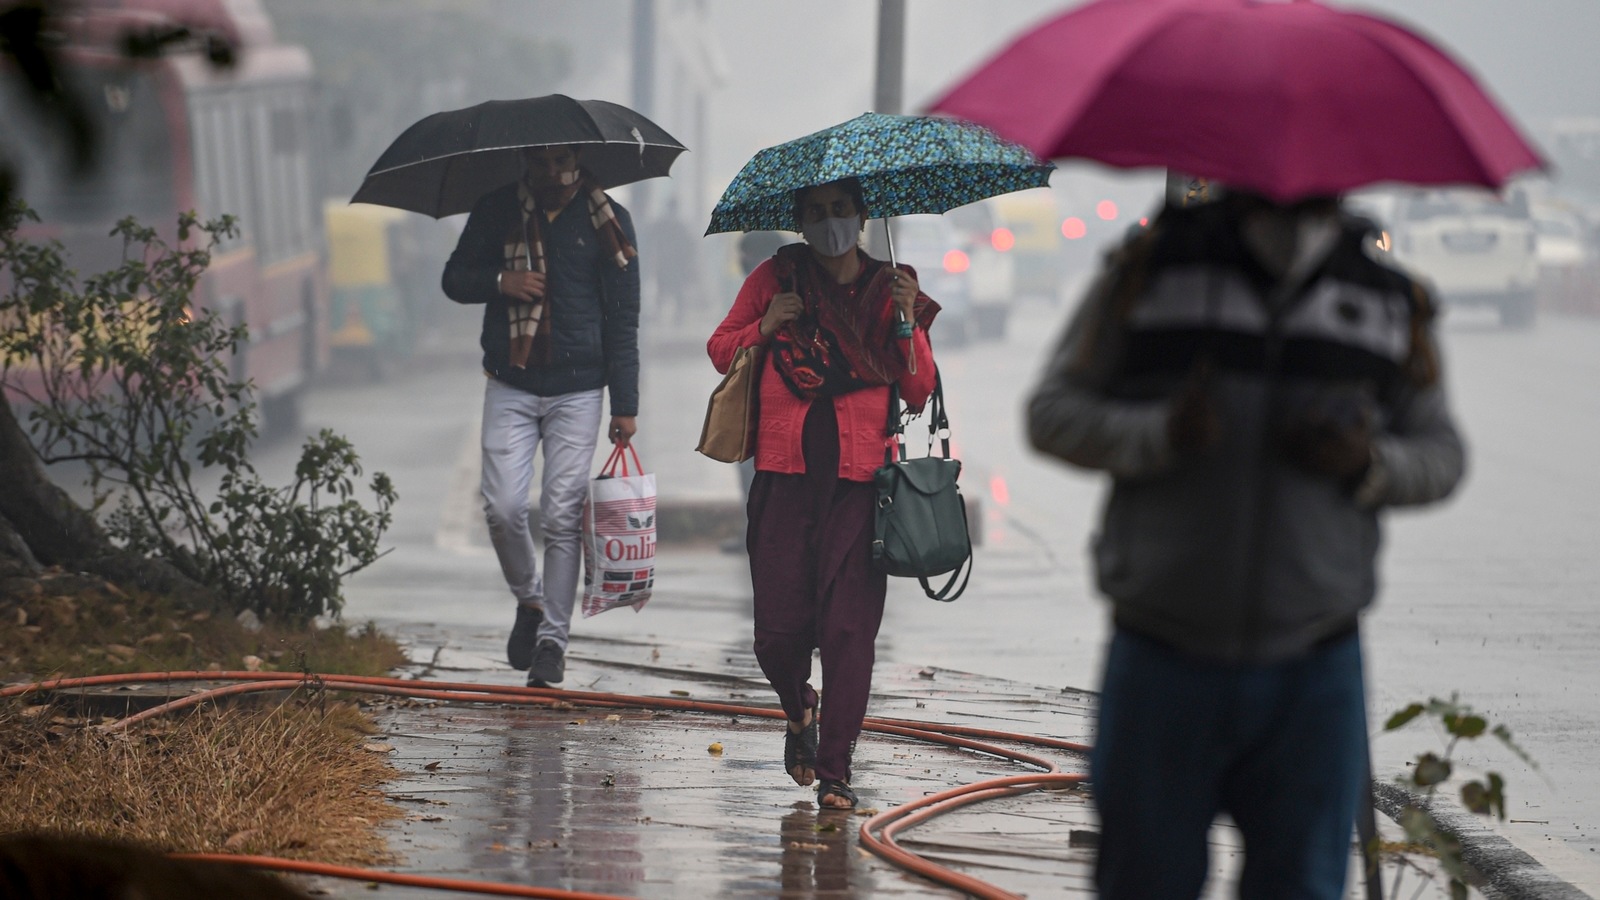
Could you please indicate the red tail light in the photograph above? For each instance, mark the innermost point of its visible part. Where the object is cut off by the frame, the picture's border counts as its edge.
(998, 488)
(1002, 239)
(956, 262)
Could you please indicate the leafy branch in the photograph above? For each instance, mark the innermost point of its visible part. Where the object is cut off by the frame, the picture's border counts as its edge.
(124, 373)
(1431, 771)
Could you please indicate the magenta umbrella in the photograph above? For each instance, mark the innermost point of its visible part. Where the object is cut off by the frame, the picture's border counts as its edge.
(1290, 99)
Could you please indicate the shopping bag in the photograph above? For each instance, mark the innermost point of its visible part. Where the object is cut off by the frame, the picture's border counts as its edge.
(619, 535)
(729, 431)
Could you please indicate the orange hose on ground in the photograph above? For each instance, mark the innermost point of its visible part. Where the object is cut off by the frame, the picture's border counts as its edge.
(914, 813)
(398, 878)
(877, 833)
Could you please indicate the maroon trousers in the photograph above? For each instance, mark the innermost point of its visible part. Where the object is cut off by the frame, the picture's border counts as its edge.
(810, 540)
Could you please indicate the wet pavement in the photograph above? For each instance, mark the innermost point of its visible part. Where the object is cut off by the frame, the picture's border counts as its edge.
(635, 803)
(521, 794)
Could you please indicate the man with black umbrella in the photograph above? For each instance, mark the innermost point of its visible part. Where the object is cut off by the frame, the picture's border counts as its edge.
(551, 257)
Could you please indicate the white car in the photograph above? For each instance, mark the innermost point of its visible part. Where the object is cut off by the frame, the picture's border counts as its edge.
(1567, 260)
(1561, 242)
(1475, 248)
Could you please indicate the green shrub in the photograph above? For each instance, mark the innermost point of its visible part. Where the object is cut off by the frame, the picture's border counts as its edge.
(126, 375)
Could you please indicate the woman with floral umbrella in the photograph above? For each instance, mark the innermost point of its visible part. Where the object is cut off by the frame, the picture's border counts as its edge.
(839, 328)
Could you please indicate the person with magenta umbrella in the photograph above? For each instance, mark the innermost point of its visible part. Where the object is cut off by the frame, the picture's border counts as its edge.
(1259, 389)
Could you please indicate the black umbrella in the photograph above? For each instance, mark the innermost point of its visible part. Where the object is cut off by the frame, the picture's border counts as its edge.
(441, 165)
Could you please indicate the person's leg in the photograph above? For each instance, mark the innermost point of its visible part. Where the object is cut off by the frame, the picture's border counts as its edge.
(783, 576)
(1295, 792)
(510, 439)
(571, 428)
(1159, 749)
(851, 612)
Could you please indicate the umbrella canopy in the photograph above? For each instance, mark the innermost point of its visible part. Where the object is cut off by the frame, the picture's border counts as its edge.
(441, 165)
(1291, 99)
(906, 165)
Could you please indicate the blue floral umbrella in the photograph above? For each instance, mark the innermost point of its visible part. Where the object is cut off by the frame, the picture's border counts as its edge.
(906, 165)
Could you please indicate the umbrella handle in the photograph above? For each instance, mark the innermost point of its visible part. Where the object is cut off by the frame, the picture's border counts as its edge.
(888, 237)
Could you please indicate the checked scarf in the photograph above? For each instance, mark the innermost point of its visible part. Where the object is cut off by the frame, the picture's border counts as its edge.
(524, 251)
(843, 339)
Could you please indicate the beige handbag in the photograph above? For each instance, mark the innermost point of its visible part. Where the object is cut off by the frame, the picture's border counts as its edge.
(729, 432)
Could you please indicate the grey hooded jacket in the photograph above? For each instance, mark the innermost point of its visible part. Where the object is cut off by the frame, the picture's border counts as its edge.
(1234, 554)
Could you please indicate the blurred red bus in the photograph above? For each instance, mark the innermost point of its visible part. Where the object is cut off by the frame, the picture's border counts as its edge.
(178, 133)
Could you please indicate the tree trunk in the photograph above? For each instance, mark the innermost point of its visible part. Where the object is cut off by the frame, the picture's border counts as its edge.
(41, 525)
(15, 557)
(56, 529)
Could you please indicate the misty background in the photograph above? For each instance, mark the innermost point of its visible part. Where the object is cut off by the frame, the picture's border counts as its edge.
(728, 77)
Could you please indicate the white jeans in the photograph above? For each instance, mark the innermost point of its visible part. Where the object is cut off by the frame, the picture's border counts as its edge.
(514, 423)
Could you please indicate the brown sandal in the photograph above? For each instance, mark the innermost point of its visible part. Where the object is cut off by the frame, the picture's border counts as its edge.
(800, 747)
(832, 787)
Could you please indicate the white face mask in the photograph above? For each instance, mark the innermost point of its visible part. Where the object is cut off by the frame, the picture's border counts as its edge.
(832, 237)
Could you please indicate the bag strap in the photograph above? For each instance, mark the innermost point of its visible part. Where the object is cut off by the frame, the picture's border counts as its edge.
(945, 594)
(894, 428)
(938, 422)
(951, 590)
(619, 459)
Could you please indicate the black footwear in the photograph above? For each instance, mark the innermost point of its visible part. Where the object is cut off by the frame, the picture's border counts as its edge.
(800, 747)
(549, 665)
(524, 634)
(832, 787)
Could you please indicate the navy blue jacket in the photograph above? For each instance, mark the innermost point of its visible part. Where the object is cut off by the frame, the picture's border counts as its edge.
(594, 305)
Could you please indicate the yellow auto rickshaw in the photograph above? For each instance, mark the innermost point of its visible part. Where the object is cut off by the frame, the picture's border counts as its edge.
(369, 320)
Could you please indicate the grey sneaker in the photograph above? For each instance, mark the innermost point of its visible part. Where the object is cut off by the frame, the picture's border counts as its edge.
(549, 665)
(524, 634)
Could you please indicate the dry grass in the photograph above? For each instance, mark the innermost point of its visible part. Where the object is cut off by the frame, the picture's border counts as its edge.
(290, 780)
(69, 625)
(284, 780)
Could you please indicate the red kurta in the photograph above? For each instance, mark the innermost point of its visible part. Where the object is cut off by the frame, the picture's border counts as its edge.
(861, 414)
